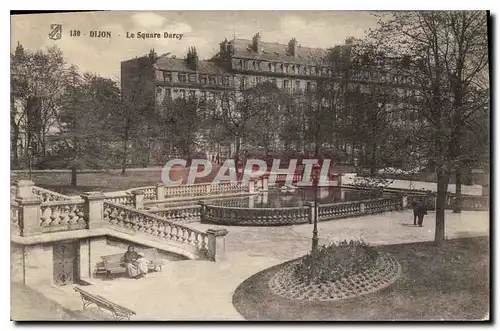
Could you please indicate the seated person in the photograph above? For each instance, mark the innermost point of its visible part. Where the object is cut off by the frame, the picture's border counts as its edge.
(142, 265)
(130, 259)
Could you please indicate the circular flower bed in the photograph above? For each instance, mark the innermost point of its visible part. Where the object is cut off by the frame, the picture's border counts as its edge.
(339, 272)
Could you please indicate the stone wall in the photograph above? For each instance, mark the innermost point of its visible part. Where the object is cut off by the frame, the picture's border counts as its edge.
(120, 246)
(38, 264)
(16, 263)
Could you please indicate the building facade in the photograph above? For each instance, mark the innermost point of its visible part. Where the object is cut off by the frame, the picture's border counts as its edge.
(243, 63)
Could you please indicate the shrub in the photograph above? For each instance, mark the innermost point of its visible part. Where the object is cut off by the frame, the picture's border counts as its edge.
(336, 261)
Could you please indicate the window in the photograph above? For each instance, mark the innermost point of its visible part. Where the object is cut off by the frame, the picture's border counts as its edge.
(203, 80)
(192, 94)
(285, 85)
(159, 95)
(204, 95)
(270, 67)
(192, 78)
(182, 78)
(183, 94)
(212, 80)
(297, 85)
(274, 81)
(286, 68)
(241, 64)
(258, 80)
(168, 93)
(308, 86)
(167, 76)
(243, 83)
(258, 65)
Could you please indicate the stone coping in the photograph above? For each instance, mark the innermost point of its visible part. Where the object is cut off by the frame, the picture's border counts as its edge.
(109, 230)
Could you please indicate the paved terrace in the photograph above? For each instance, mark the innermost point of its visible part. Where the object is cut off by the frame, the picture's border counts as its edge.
(202, 290)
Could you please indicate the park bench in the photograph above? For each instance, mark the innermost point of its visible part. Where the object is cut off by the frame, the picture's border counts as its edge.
(114, 264)
(119, 312)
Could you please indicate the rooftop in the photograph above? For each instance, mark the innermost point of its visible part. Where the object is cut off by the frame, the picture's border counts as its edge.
(278, 52)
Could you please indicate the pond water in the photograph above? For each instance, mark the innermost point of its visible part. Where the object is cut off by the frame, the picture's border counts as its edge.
(277, 199)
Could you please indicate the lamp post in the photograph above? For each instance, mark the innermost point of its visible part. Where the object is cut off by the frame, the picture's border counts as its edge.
(29, 161)
(315, 178)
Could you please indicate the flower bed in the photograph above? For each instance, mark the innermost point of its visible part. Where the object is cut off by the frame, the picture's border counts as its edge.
(342, 271)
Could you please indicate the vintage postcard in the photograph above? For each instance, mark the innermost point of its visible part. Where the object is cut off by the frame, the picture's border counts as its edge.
(250, 165)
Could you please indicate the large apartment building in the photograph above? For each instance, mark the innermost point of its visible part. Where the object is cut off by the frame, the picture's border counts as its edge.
(244, 63)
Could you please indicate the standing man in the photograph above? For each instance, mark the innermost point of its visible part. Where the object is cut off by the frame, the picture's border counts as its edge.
(420, 211)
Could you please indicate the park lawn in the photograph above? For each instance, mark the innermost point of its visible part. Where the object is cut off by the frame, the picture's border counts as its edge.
(109, 181)
(447, 282)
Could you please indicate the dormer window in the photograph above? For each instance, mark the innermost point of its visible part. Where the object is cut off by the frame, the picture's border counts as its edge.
(203, 80)
(182, 78)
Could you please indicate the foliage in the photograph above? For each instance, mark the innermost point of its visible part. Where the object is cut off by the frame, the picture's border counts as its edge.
(336, 261)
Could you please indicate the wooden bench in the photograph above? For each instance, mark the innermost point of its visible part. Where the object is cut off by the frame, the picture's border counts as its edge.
(114, 264)
(119, 312)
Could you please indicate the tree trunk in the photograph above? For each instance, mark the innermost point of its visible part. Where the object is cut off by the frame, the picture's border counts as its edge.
(73, 176)
(457, 208)
(125, 146)
(442, 186)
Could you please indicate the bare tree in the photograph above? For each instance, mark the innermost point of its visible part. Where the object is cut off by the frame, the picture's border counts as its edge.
(449, 51)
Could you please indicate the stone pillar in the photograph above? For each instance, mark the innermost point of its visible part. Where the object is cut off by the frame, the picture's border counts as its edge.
(138, 199)
(265, 182)
(29, 215)
(85, 266)
(160, 191)
(251, 186)
(24, 188)
(251, 201)
(342, 194)
(217, 244)
(362, 207)
(94, 209)
(203, 211)
(311, 212)
(265, 197)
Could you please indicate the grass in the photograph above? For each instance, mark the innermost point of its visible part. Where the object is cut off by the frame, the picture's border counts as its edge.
(447, 282)
(104, 181)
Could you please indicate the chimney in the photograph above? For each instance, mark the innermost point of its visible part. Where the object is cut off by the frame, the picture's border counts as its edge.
(292, 47)
(256, 43)
(192, 58)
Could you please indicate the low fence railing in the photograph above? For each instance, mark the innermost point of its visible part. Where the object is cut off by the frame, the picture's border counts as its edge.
(129, 218)
(254, 216)
(58, 216)
(299, 215)
(47, 195)
(122, 198)
(179, 215)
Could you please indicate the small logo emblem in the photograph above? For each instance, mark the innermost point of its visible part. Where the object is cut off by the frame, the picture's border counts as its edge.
(55, 31)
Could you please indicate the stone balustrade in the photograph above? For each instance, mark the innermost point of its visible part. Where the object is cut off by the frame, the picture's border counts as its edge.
(179, 215)
(254, 216)
(333, 211)
(47, 195)
(123, 198)
(140, 221)
(62, 216)
(381, 205)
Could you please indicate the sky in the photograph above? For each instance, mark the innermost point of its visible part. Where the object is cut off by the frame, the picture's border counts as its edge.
(202, 29)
